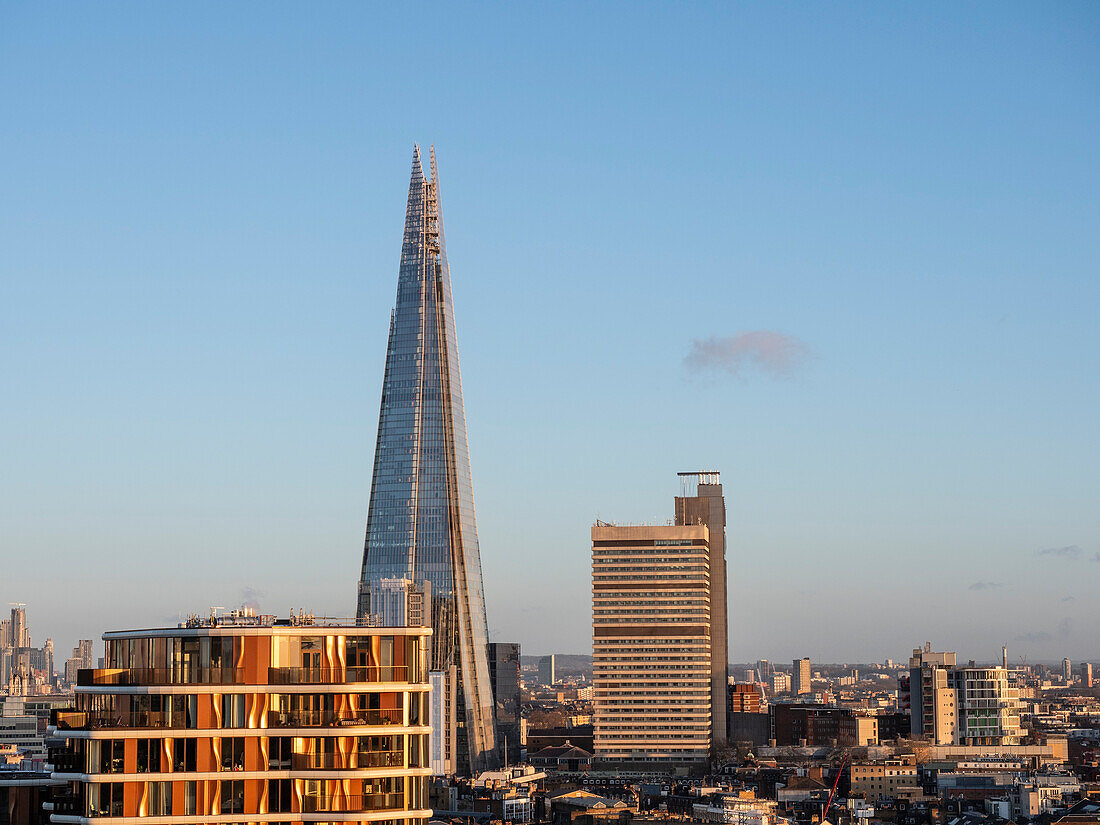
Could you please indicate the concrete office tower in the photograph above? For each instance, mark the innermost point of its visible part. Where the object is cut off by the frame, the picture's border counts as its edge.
(1067, 670)
(701, 502)
(800, 676)
(420, 522)
(249, 719)
(504, 676)
(653, 628)
(1086, 674)
(932, 699)
(547, 671)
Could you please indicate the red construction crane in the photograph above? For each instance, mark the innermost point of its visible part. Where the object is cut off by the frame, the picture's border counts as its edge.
(832, 793)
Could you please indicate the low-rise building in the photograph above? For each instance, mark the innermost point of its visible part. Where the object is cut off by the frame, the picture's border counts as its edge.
(881, 780)
(567, 757)
(737, 809)
(586, 808)
(744, 697)
(858, 731)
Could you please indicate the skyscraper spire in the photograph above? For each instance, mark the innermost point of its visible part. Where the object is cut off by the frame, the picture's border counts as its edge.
(420, 522)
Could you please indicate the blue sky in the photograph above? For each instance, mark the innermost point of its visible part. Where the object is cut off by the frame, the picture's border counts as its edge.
(200, 229)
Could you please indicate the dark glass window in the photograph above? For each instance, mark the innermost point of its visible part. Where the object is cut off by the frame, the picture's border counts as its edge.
(232, 796)
(232, 753)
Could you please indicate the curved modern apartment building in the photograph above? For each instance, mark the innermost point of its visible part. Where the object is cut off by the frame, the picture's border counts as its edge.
(250, 719)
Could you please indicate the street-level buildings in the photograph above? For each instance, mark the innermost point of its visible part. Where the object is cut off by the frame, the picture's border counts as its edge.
(882, 780)
(250, 720)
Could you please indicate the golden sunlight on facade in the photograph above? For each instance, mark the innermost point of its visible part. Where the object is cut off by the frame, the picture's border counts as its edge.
(250, 719)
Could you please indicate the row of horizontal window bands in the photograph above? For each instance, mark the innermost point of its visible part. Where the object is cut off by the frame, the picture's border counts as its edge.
(643, 543)
(647, 631)
(229, 797)
(84, 720)
(657, 585)
(236, 676)
(191, 755)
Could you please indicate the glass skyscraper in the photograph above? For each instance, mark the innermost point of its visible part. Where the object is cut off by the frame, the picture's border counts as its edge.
(420, 523)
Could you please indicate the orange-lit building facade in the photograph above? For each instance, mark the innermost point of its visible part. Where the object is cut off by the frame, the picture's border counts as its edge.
(250, 719)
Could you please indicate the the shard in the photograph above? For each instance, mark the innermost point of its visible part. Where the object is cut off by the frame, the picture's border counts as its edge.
(420, 522)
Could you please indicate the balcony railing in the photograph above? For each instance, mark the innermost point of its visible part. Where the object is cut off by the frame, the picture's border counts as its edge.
(133, 719)
(333, 719)
(236, 676)
(162, 676)
(353, 804)
(67, 762)
(334, 761)
(338, 676)
(68, 804)
(72, 720)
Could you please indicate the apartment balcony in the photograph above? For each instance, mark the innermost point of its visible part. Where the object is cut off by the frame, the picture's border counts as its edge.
(68, 804)
(176, 720)
(334, 719)
(138, 677)
(338, 676)
(339, 762)
(65, 761)
(353, 804)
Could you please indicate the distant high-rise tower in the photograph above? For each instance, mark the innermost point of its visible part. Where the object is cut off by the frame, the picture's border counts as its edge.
(20, 634)
(84, 651)
(800, 676)
(547, 675)
(420, 523)
(1067, 670)
(1086, 674)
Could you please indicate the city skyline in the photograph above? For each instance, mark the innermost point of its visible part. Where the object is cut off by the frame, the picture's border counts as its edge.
(864, 236)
